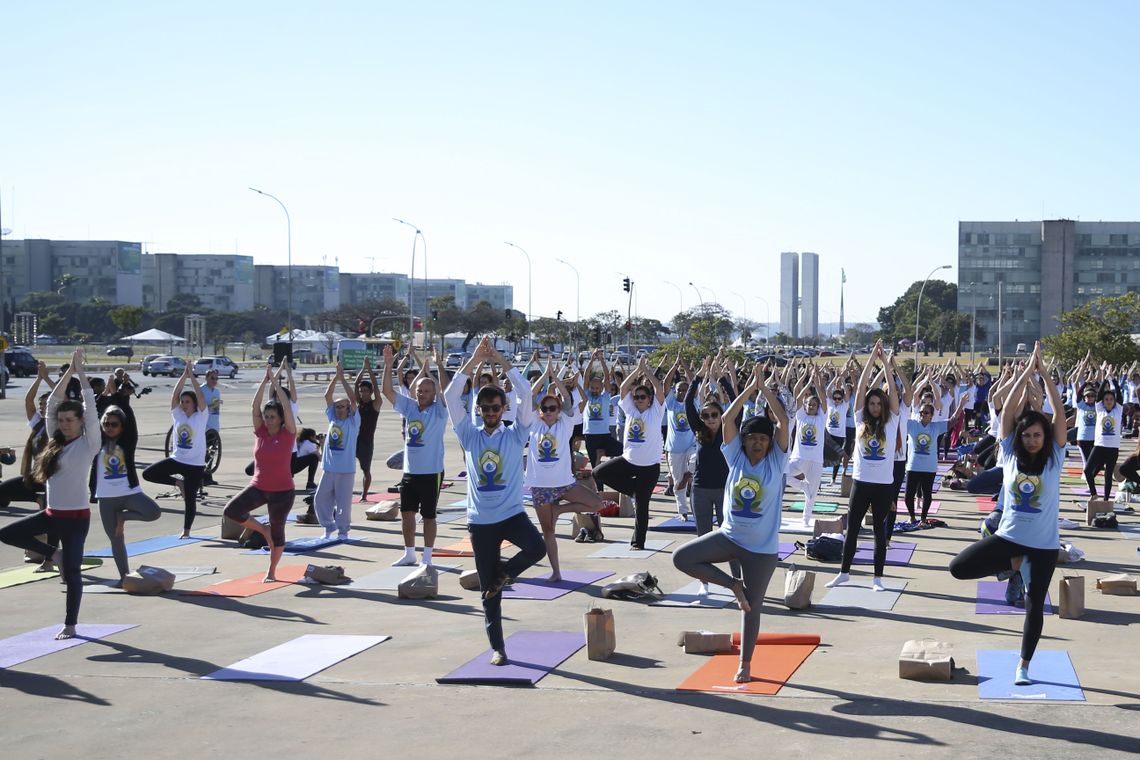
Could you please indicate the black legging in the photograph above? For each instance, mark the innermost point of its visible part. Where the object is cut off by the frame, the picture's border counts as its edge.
(603, 442)
(991, 556)
(919, 484)
(161, 472)
(632, 480)
(1129, 468)
(16, 489)
(877, 497)
(1086, 448)
(896, 488)
(72, 531)
(1102, 456)
(486, 543)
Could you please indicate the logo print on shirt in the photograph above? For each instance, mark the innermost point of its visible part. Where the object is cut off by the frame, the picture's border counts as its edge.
(1025, 494)
(547, 447)
(635, 430)
(747, 497)
(807, 436)
(833, 419)
(1090, 418)
(873, 447)
(184, 435)
(490, 471)
(114, 468)
(415, 434)
(681, 420)
(1108, 427)
(336, 438)
(922, 443)
(594, 409)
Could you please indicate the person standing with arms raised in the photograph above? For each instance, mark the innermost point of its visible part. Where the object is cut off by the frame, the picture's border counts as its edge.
(190, 415)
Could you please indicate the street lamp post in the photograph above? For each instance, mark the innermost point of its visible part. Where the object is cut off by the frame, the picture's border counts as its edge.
(412, 279)
(577, 299)
(289, 247)
(700, 297)
(529, 290)
(680, 297)
(918, 310)
(973, 321)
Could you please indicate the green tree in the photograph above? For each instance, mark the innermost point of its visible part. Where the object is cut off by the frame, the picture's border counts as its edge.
(449, 317)
(549, 331)
(127, 318)
(1104, 325)
(897, 320)
(859, 334)
(480, 319)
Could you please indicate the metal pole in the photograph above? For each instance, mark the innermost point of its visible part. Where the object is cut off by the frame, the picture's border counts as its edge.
(412, 281)
(680, 297)
(973, 321)
(918, 310)
(577, 298)
(289, 246)
(529, 290)
(700, 298)
(999, 315)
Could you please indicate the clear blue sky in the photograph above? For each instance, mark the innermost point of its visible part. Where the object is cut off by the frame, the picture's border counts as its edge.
(672, 141)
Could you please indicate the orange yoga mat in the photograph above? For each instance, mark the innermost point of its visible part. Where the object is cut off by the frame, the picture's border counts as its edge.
(461, 548)
(376, 498)
(252, 585)
(776, 658)
(985, 504)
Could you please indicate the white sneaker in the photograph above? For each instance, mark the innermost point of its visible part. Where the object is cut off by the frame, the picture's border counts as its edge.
(838, 580)
(877, 584)
(405, 561)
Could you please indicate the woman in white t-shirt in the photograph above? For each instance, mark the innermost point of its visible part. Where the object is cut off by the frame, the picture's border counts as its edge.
(805, 468)
(191, 417)
(636, 472)
(1106, 440)
(876, 424)
(550, 465)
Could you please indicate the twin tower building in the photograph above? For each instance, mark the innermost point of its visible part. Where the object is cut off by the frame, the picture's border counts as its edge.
(799, 294)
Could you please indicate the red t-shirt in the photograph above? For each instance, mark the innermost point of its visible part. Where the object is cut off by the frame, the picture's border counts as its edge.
(273, 460)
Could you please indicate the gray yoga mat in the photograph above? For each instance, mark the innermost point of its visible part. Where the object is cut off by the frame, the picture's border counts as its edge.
(687, 596)
(180, 574)
(624, 551)
(389, 578)
(860, 595)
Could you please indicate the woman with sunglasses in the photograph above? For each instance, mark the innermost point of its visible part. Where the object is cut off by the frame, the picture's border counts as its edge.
(549, 463)
(117, 483)
(64, 466)
(756, 459)
(837, 417)
(877, 421)
(493, 454)
(636, 472)
(922, 454)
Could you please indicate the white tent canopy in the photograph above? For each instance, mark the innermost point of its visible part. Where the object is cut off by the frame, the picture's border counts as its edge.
(154, 335)
(311, 339)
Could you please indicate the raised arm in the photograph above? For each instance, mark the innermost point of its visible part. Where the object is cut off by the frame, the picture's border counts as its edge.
(259, 398)
(286, 404)
(386, 373)
(201, 397)
(1016, 399)
(865, 377)
(728, 427)
(31, 407)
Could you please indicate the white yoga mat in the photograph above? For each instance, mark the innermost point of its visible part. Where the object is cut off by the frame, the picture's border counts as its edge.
(296, 660)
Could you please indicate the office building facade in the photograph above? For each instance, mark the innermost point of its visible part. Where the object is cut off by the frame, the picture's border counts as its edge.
(809, 295)
(1041, 270)
(81, 270)
(222, 282)
(790, 294)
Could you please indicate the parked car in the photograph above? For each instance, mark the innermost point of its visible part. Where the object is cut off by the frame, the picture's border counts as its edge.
(145, 363)
(223, 364)
(455, 361)
(167, 365)
(776, 359)
(20, 362)
(126, 351)
(46, 340)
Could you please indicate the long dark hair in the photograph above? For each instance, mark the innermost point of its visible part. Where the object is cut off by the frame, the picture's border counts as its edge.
(704, 435)
(1033, 464)
(875, 427)
(47, 463)
(114, 411)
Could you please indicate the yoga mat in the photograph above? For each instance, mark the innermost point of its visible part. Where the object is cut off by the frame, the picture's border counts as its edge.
(776, 658)
(29, 646)
(538, 588)
(180, 574)
(624, 551)
(442, 518)
(463, 503)
(251, 585)
(531, 655)
(676, 525)
(687, 596)
(1052, 672)
(786, 550)
(376, 498)
(789, 524)
(934, 506)
(149, 545)
(461, 548)
(302, 545)
(659, 489)
(860, 595)
(898, 554)
(389, 578)
(822, 507)
(18, 576)
(298, 659)
(1078, 491)
(985, 504)
(991, 600)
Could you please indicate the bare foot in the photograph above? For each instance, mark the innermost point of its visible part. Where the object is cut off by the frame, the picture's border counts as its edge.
(67, 632)
(269, 578)
(741, 599)
(744, 673)
(554, 578)
(46, 567)
(363, 498)
(185, 534)
(119, 522)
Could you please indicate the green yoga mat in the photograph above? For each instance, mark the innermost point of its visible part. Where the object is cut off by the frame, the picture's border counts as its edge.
(820, 506)
(18, 576)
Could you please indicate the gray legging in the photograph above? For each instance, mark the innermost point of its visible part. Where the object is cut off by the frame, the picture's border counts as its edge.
(135, 506)
(698, 557)
(708, 508)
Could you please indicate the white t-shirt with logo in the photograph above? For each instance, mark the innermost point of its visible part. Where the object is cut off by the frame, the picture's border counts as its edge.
(189, 440)
(641, 436)
(874, 455)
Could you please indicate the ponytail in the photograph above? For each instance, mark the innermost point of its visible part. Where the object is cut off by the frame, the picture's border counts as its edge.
(47, 463)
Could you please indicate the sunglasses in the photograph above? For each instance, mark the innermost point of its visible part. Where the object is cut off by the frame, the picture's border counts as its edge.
(549, 408)
(710, 415)
(641, 397)
(112, 424)
(490, 407)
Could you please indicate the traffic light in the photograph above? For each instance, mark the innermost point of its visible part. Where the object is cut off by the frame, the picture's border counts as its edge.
(626, 284)
(627, 325)
(434, 314)
(597, 336)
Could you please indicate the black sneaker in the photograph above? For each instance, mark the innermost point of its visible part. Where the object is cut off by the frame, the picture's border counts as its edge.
(581, 537)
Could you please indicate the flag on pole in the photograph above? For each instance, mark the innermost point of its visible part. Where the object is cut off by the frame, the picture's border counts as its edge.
(843, 275)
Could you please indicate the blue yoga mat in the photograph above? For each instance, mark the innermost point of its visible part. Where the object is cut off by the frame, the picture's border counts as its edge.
(149, 545)
(1054, 678)
(303, 545)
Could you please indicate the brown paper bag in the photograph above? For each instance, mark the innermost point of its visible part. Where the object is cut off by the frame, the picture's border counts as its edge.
(231, 531)
(1121, 584)
(421, 583)
(601, 640)
(926, 660)
(845, 486)
(328, 575)
(470, 580)
(1095, 507)
(1072, 593)
(626, 506)
(798, 585)
(383, 511)
(829, 525)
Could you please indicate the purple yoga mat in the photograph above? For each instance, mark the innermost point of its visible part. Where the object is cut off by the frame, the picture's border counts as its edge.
(29, 646)
(531, 655)
(786, 550)
(899, 554)
(538, 588)
(991, 600)
(1078, 491)
(676, 525)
